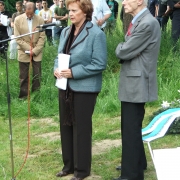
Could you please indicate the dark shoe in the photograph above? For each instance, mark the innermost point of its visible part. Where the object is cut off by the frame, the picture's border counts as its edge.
(119, 178)
(61, 174)
(76, 178)
(118, 168)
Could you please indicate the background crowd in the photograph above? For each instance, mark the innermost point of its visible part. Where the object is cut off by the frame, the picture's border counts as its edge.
(162, 10)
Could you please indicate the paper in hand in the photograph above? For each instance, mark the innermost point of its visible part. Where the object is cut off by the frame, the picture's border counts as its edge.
(63, 63)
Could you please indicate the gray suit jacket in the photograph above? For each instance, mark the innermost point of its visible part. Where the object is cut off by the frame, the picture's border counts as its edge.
(139, 54)
(88, 58)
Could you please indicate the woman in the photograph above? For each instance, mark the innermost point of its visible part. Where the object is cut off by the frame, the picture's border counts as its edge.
(86, 45)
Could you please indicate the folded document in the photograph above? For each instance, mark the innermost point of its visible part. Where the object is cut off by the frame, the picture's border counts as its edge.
(63, 63)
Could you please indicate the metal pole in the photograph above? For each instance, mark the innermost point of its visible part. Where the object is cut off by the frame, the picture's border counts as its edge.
(9, 114)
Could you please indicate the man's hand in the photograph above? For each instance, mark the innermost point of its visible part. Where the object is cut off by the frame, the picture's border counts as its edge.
(100, 22)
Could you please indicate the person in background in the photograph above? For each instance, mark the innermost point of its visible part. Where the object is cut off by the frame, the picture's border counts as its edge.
(164, 14)
(138, 56)
(116, 7)
(52, 8)
(60, 14)
(13, 44)
(38, 6)
(86, 45)
(153, 6)
(19, 8)
(46, 14)
(101, 13)
(111, 21)
(5, 32)
(175, 8)
(23, 24)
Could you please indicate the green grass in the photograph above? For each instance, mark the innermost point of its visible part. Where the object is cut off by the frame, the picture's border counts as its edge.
(45, 153)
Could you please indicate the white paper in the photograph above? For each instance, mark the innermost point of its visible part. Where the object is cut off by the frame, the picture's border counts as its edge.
(4, 20)
(167, 163)
(63, 63)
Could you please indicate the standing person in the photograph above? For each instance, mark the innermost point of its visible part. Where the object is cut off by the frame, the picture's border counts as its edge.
(138, 84)
(13, 44)
(111, 21)
(164, 13)
(19, 8)
(175, 7)
(46, 14)
(24, 24)
(86, 45)
(101, 13)
(153, 6)
(60, 14)
(4, 33)
(52, 8)
(38, 6)
(116, 7)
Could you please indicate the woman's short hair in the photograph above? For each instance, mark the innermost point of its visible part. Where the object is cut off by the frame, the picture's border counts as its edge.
(85, 5)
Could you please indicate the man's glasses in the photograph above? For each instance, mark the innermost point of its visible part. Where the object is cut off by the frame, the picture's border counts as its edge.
(43, 3)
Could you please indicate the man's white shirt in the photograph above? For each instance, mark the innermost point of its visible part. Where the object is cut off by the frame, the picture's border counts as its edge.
(100, 9)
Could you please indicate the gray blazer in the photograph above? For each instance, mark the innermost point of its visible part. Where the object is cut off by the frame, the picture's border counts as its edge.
(88, 58)
(139, 54)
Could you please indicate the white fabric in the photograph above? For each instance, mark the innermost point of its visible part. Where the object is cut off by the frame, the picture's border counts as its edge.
(46, 15)
(30, 25)
(100, 9)
(13, 48)
(52, 8)
(167, 163)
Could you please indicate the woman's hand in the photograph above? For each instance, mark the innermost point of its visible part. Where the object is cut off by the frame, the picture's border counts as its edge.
(66, 73)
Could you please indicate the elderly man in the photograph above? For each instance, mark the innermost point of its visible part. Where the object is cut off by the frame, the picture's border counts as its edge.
(138, 84)
(29, 48)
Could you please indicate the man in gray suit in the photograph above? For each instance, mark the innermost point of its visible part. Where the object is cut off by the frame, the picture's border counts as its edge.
(138, 84)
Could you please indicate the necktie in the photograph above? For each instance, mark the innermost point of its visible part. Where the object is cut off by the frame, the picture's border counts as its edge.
(129, 29)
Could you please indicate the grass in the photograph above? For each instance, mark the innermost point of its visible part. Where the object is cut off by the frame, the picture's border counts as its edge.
(45, 154)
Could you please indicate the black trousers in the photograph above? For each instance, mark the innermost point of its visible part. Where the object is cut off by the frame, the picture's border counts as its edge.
(176, 25)
(76, 140)
(133, 154)
(3, 46)
(23, 76)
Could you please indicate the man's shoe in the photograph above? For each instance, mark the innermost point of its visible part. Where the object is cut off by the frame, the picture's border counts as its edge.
(118, 168)
(61, 174)
(119, 178)
(76, 178)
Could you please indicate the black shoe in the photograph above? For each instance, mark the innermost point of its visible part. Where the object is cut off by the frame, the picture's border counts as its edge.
(118, 168)
(61, 174)
(119, 178)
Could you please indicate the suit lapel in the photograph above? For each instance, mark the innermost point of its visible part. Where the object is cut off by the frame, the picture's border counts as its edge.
(83, 34)
(138, 20)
